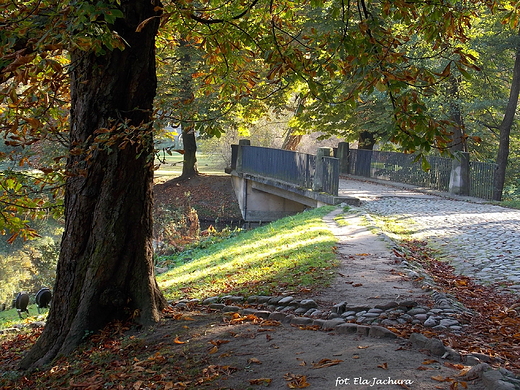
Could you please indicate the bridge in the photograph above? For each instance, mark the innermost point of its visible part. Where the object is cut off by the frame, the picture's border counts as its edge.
(275, 183)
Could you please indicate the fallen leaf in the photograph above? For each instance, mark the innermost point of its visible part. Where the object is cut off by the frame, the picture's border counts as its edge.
(177, 341)
(430, 361)
(357, 284)
(213, 350)
(439, 378)
(254, 361)
(296, 381)
(384, 366)
(260, 381)
(355, 357)
(326, 363)
(363, 346)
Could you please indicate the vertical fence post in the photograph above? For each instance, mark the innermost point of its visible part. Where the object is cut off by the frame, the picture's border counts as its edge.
(343, 157)
(459, 177)
(242, 142)
(319, 174)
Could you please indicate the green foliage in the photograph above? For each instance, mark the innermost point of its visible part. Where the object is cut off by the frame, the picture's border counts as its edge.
(28, 269)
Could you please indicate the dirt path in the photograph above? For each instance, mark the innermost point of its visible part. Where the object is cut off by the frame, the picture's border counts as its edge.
(250, 356)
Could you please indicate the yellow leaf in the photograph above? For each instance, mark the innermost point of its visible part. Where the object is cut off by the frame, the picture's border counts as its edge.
(177, 341)
(213, 350)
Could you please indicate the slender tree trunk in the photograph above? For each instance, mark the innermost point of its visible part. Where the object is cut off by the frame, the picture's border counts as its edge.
(189, 163)
(291, 141)
(105, 270)
(505, 130)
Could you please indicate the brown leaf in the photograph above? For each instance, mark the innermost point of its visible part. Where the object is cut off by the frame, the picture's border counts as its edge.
(260, 381)
(384, 366)
(177, 341)
(326, 363)
(253, 361)
(296, 381)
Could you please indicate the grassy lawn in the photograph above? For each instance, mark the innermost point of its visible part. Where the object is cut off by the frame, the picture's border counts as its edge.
(293, 254)
(171, 165)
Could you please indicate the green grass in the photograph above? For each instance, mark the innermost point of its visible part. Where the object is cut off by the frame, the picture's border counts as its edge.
(293, 254)
(9, 318)
(171, 165)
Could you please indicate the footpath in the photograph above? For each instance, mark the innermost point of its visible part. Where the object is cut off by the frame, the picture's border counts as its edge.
(359, 318)
(479, 239)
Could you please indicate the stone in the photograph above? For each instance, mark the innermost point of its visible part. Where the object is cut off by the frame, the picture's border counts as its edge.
(408, 304)
(262, 299)
(380, 332)
(316, 314)
(227, 309)
(339, 307)
(436, 347)
(285, 300)
(416, 310)
(386, 306)
(300, 311)
(378, 311)
(262, 314)
(448, 322)
(331, 324)
(418, 340)
(346, 328)
(363, 330)
(217, 306)
(210, 300)
(274, 300)
(421, 317)
(308, 304)
(277, 316)
(309, 312)
(430, 322)
(301, 321)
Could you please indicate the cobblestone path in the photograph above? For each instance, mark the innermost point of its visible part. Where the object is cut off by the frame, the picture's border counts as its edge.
(479, 239)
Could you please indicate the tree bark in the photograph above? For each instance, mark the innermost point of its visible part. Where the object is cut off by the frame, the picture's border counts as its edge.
(189, 162)
(505, 130)
(105, 270)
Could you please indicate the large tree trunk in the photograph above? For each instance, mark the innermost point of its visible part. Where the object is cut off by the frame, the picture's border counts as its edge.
(105, 270)
(505, 130)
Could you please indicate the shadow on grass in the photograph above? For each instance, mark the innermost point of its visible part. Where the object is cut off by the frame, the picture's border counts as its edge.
(293, 254)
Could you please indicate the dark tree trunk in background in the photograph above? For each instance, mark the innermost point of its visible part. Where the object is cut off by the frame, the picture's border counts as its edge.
(189, 163)
(366, 140)
(105, 270)
(505, 130)
(458, 143)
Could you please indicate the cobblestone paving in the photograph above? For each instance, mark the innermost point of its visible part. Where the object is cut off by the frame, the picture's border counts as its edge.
(480, 240)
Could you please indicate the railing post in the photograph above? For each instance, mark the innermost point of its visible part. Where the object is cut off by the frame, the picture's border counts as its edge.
(238, 163)
(343, 157)
(319, 174)
(459, 177)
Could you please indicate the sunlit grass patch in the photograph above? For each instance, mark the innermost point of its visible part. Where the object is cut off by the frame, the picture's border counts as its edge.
(293, 253)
